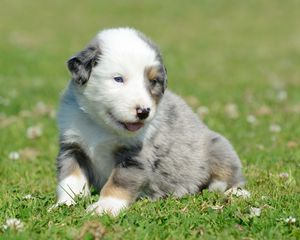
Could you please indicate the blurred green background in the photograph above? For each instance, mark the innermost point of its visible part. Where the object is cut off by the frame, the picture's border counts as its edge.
(206, 44)
(219, 54)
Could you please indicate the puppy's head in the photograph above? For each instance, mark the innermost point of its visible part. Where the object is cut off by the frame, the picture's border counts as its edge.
(119, 79)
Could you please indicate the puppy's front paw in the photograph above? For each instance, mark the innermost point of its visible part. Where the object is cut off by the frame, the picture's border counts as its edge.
(109, 205)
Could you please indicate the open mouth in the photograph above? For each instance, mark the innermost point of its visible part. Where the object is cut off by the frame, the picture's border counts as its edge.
(130, 126)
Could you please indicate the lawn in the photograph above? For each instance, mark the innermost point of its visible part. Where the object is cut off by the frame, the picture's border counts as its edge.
(235, 62)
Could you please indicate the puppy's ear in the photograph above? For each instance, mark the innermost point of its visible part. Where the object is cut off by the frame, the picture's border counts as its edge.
(81, 65)
(165, 85)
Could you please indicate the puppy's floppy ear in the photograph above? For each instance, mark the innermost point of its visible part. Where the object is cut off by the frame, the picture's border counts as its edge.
(81, 65)
(162, 77)
(165, 85)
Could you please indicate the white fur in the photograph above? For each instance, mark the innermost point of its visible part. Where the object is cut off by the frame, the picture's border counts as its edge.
(125, 54)
(70, 187)
(108, 205)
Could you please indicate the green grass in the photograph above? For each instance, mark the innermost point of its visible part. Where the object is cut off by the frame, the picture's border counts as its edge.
(219, 52)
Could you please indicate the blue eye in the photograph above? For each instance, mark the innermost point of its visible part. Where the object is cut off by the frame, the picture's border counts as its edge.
(119, 79)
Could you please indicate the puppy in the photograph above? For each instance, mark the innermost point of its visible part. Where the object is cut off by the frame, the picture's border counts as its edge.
(125, 135)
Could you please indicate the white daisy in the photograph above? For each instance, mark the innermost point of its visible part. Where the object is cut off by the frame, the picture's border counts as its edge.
(14, 155)
(238, 192)
(290, 220)
(255, 212)
(13, 224)
(34, 132)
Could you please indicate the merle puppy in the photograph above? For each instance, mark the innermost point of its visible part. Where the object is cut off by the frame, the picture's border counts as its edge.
(124, 134)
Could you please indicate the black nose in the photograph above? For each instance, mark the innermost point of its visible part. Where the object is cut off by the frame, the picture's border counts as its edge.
(142, 113)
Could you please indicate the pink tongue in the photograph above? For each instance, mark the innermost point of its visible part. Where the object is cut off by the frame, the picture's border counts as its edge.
(133, 126)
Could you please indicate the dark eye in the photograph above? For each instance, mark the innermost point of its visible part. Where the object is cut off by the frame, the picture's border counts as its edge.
(153, 82)
(119, 79)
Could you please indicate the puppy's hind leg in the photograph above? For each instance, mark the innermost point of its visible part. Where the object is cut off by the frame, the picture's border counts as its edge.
(217, 186)
(226, 168)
